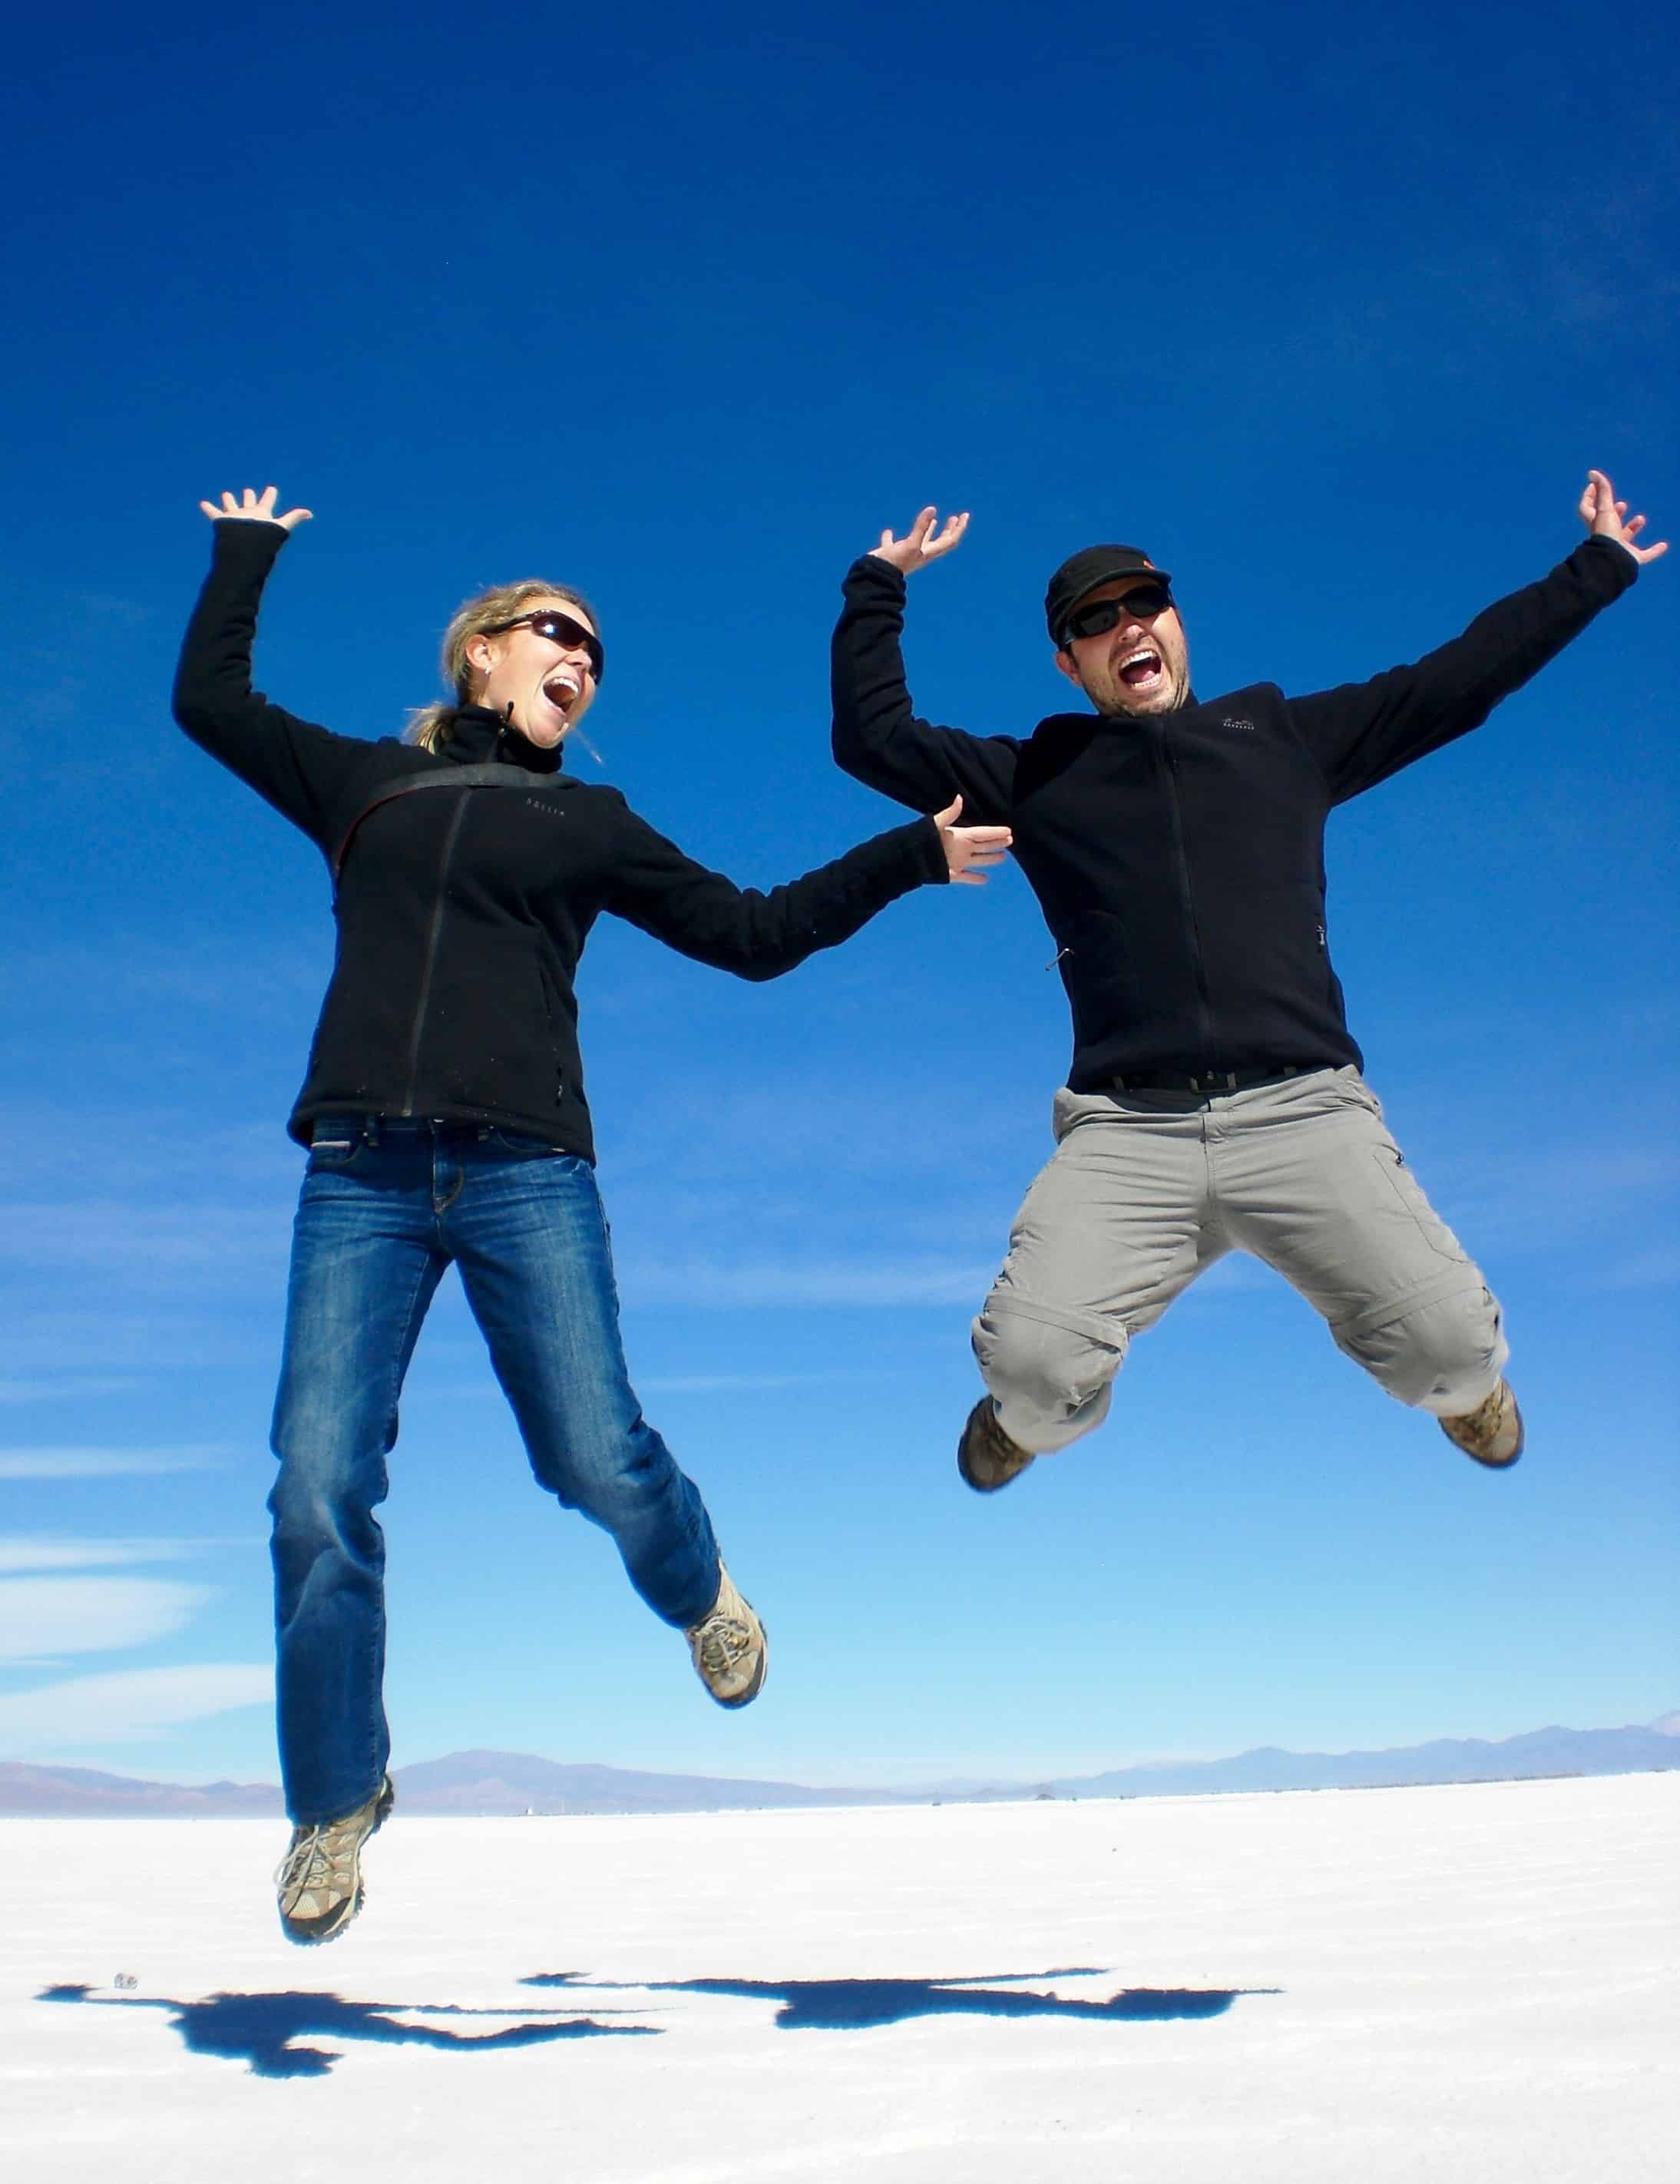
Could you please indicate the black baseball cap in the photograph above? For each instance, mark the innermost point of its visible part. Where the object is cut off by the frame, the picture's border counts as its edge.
(1083, 572)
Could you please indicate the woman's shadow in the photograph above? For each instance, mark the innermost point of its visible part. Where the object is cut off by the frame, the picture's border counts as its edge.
(259, 2030)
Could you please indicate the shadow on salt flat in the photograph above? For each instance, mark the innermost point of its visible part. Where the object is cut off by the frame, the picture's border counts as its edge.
(852, 2005)
(259, 2030)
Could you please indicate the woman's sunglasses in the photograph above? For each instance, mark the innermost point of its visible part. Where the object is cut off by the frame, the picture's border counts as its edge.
(559, 629)
(1143, 602)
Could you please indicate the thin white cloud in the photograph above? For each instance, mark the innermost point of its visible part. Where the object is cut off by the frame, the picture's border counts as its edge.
(1657, 1268)
(1550, 1198)
(169, 1242)
(43, 1615)
(731, 1383)
(791, 1143)
(21, 1552)
(764, 1283)
(16, 1389)
(140, 1337)
(108, 1462)
(127, 1705)
(768, 1283)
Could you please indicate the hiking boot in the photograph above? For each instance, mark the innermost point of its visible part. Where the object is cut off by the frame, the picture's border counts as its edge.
(728, 1646)
(1492, 1432)
(986, 1456)
(319, 1879)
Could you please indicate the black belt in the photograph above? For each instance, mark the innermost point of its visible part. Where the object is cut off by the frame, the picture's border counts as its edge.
(1212, 1080)
(412, 1127)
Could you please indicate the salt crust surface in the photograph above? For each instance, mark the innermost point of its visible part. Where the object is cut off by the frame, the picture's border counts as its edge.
(1472, 1983)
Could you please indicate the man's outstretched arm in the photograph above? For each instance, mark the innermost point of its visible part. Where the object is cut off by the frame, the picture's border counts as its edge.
(877, 737)
(1364, 732)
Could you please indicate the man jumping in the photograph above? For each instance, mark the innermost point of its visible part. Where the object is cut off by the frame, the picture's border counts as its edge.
(1214, 1100)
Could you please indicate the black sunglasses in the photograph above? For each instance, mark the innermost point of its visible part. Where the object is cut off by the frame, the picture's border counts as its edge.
(559, 629)
(1143, 602)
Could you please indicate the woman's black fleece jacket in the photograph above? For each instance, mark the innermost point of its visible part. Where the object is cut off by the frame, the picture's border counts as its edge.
(1179, 857)
(462, 914)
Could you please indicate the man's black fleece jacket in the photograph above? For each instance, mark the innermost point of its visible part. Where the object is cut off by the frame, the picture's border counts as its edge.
(1179, 857)
(462, 913)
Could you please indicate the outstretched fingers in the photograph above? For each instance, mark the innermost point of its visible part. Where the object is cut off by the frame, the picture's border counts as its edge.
(921, 543)
(949, 536)
(1607, 517)
(973, 850)
(254, 507)
(969, 852)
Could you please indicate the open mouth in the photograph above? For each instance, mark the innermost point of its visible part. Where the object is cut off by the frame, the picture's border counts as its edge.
(562, 690)
(1141, 669)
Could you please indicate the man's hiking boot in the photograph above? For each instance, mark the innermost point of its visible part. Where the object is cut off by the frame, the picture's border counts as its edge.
(1492, 1432)
(730, 1647)
(319, 1879)
(986, 1456)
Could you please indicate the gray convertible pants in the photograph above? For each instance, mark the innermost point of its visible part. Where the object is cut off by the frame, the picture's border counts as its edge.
(1145, 1190)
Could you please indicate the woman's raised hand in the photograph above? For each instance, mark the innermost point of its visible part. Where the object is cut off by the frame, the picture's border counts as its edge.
(1607, 517)
(920, 544)
(969, 849)
(252, 507)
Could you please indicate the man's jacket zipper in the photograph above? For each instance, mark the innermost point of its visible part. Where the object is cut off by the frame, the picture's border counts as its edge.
(1169, 770)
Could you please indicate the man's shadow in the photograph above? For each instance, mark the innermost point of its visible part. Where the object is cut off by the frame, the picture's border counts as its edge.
(852, 2005)
(259, 2030)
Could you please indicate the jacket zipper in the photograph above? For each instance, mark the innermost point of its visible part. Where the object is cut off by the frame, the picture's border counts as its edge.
(1169, 768)
(432, 938)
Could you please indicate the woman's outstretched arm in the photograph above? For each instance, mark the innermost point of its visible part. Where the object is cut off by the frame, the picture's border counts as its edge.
(760, 936)
(300, 768)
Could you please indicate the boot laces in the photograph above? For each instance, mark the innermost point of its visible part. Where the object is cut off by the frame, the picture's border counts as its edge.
(322, 1854)
(1483, 1423)
(308, 1859)
(722, 1643)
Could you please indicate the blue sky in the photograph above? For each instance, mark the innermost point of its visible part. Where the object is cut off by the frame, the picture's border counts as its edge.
(1331, 315)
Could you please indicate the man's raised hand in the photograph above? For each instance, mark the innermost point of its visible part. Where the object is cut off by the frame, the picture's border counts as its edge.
(969, 850)
(252, 507)
(920, 544)
(1607, 517)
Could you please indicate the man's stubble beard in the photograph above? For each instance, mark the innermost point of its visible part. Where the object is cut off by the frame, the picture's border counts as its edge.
(1116, 708)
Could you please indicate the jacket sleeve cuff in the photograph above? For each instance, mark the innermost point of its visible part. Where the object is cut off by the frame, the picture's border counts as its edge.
(869, 572)
(930, 850)
(240, 542)
(1608, 566)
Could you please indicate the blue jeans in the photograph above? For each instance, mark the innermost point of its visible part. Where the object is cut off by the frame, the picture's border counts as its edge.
(384, 1208)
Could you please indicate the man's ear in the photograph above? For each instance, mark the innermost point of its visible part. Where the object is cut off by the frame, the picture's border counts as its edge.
(1066, 665)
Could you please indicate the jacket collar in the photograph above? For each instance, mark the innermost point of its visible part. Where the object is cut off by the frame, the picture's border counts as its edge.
(478, 737)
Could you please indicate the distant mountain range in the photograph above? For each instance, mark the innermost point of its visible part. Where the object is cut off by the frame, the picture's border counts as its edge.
(471, 1784)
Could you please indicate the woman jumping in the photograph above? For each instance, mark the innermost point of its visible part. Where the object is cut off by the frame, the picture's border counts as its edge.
(444, 1112)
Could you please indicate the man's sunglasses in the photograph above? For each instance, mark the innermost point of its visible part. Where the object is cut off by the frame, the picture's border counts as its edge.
(559, 629)
(1143, 602)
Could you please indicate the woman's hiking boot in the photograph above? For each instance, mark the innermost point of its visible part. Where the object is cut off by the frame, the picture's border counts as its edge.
(728, 1646)
(319, 1879)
